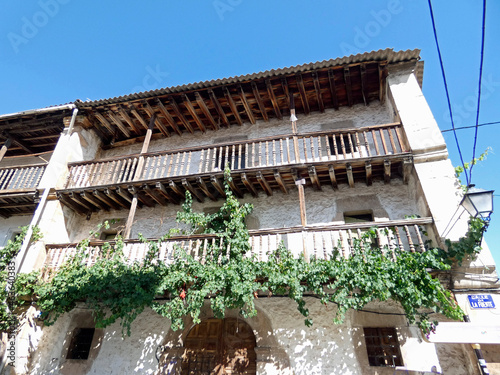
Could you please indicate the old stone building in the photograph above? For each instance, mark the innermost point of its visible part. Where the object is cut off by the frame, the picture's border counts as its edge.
(356, 131)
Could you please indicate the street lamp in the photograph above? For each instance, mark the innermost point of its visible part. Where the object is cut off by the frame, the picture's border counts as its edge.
(478, 202)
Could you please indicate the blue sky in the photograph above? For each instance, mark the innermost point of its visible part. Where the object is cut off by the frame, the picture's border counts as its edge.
(55, 51)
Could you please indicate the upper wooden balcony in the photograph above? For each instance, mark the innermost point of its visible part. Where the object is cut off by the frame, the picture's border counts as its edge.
(18, 189)
(321, 242)
(274, 163)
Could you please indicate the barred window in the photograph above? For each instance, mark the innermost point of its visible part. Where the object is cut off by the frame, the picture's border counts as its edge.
(81, 342)
(383, 347)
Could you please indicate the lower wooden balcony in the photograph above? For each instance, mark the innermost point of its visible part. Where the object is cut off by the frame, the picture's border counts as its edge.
(18, 189)
(262, 165)
(312, 241)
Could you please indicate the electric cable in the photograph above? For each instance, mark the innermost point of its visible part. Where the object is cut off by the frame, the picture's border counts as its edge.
(446, 90)
(471, 126)
(479, 91)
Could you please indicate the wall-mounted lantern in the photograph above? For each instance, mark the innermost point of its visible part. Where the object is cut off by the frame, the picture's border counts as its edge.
(478, 202)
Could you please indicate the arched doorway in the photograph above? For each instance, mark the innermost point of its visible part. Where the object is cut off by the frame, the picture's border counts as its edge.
(219, 347)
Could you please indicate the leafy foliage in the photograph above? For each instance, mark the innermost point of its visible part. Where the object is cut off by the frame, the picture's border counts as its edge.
(117, 290)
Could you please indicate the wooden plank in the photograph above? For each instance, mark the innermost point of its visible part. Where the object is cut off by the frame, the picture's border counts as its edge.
(192, 112)
(204, 188)
(124, 194)
(153, 194)
(314, 177)
(73, 205)
(118, 123)
(364, 89)
(348, 87)
(105, 122)
(333, 89)
(218, 107)
(75, 197)
(350, 176)
(142, 198)
(407, 168)
(232, 105)
(205, 110)
(317, 89)
(382, 74)
(91, 199)
(368, 170)
(217, 184)
(280, 182)
(387, 171)
(153, 118)
(248, 184)
(128, 119)
(111, 194)
(187, 185)
(247, 107)
(236, 190)
(106, 200)
(5, 147)
(130, 219)
(168, 117)
(258, 98)
(163, 191)
(303, 95)
(136, 114)
(263, 183)
(179, 114)
(272, 97)
(333, 179)
(175, 188)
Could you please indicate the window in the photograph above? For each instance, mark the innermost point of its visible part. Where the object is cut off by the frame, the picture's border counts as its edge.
(358, 217)
(382, 347)
(111, 228)
(81, 342)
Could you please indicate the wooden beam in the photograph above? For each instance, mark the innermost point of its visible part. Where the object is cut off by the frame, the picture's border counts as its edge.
(128, 119)
(118, 123)
(407, 167)
(179, 114)
(258, 98)
(350, 176)
(248, 109)
(187, 185)
(153, 118)
(218, 107)
(18, 142)
(205, 110)
(348, 87)
(136, 114)
(270, 92)
(156, 197)
(130, 219)
(314, 177)
(364, 88)
(168, 118)
(217, 184)
(176, 189)
(248, 184)
(333, 179)
(106, 200)
(382, 74)
(236, 190)
(387, 171)
(303, 95)
(204, 188)
(163, 191)
(142, 198)
(300, 182)
(5, 147)
(124, 194)
(232, 105)
(317, 89)
(105, 122)
(73, 205)
(75, 197)
(280, 182)
(117, 198)
(194, 115)
(264, 184)
(368, 170)
(286, 91)
(94, 201)
(99, 129)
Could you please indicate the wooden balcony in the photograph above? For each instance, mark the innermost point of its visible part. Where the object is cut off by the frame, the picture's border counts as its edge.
(18, 189)
(267, 164)
(320, 242)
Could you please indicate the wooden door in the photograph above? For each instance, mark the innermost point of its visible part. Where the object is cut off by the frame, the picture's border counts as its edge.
(220, 347)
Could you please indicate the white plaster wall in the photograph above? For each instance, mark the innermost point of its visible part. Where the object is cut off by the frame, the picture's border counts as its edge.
(353, 117)
(11, 225)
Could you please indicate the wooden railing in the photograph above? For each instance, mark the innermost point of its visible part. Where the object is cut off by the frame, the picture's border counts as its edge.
(328, 146)
(313, 241)
(21, 178)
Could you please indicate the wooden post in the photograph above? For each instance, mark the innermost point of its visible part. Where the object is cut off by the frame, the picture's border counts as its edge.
(302, 201)
(293, 119)
(4, 148)
(137, 175)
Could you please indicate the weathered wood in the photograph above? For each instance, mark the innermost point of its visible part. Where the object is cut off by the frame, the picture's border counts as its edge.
(299, 182)
(106, 200)
(247, 107)
(130, 219)
(218, 108)
(187, 185)
(350, 176)
(118, 123)
(73, 205)
(111, 194)
(333, 179)
(204, 188)
(248, 184)
(317, 89)
(232, 105)
(153, 118)
(236, 190)
(368, 170)
(94, 201)
(142, 197)
(274, 102)
(382, 83)
(5, 147)
(348, 87)
(128, 119)
(75, 197)
(364, 88)
(217, 184)
(105, 122)
(333, 89)
(387, 171)
(179, 114)
(280, 182)
(168, 117)
(153, 194)
(302, 92)
(136, 114)
(314, 177)
(407, 168)
(264, 184)
(163, 191)
(260, 103)
(192, 112)
(205, 110)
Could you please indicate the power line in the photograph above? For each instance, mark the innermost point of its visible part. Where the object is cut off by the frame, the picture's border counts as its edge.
(446, 90)
(472, 126)
(479, 91)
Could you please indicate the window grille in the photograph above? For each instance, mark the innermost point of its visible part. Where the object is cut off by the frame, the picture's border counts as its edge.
(81, 342)
(382, 347)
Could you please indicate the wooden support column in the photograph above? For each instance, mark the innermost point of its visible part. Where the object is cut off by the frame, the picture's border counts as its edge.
(387, 171)
(333, 179)
(407, 166)
(300, 182)
(248, 184)
(368, 169)
(350, 176)
(314, 176)
(293, 119)
(130, 219)
(5, 147)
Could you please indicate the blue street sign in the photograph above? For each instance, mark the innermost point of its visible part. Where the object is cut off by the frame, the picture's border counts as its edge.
(481, 301)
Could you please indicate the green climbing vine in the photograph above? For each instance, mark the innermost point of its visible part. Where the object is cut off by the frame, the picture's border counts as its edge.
(117, 290)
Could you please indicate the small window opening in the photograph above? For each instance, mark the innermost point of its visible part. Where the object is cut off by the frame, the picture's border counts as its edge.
(382, 347)
(110, 230)
(358, 217)
(81, 342)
